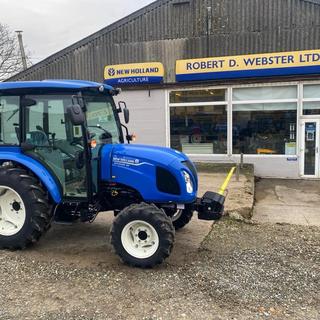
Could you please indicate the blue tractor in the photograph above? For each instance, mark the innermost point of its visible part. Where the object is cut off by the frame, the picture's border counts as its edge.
(64, 157)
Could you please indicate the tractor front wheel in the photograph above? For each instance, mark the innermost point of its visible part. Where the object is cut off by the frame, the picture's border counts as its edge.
(25, 212)
(142, 235)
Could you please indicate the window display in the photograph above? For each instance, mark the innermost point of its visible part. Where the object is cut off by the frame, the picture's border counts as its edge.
(263, 119)
(265, 128)
(199, 130)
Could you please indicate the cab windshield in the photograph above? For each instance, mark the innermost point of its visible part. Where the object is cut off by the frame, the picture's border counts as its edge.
(101, 119)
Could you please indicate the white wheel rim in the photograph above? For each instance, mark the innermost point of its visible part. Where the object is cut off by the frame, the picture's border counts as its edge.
(140, 239)
(12, 212)
(177, 215)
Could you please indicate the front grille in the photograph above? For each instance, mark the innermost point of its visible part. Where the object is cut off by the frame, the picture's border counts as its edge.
(166, 182)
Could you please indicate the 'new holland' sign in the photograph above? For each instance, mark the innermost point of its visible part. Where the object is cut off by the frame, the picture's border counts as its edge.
(255, 65)
(134, 74)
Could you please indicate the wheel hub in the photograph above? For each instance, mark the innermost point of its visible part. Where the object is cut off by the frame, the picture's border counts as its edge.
(140, 239)
(16, 206)
(12, 212)
(143, 235)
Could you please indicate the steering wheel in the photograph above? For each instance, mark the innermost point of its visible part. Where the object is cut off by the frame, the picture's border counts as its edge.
(76, 142)
(70, 155)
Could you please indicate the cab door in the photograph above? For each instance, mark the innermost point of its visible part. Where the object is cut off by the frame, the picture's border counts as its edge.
(57, 143)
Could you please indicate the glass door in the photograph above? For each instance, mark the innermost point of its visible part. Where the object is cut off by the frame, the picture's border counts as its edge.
(56, 142)
(310, 166)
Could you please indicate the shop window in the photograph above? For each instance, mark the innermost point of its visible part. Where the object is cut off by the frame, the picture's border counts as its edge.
(311, 108)
(265, 128)
(209, 95)
(265, 93)
(9, 120)
(199, 129)
(311, 92)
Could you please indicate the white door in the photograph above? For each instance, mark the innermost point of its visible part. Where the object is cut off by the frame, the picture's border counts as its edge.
(310, 148)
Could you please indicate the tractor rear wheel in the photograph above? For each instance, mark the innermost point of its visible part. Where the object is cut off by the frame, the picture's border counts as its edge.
(180, 217)
(25, 212)
(142, 235)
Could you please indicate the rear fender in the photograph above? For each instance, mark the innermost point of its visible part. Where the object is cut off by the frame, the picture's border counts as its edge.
(38, 170)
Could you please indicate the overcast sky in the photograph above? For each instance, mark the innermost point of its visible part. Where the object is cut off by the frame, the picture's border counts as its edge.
(51, 25)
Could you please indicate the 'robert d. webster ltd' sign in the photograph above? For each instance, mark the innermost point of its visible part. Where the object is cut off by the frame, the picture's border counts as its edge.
(255, 65)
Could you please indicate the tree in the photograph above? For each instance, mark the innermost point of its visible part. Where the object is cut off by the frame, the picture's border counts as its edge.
(10, 57)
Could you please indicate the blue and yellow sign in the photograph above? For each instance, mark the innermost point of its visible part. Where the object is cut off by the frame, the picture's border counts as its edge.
(255, 65)
(134, 73)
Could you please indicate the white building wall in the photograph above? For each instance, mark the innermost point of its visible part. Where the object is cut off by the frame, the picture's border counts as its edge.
(264, 166)
(147, 115)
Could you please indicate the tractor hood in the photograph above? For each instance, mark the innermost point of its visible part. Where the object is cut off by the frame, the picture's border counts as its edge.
(160, 155)
(150, 170)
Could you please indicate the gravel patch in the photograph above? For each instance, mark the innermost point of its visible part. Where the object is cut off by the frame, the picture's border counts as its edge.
(242, 271)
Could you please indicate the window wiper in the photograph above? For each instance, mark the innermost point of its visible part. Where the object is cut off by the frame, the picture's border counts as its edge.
(106, 134)
(13, 114)
(99, 127)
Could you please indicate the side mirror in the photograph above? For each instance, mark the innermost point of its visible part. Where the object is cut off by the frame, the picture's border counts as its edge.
(76, 115)
(122, 107)
(126, 115)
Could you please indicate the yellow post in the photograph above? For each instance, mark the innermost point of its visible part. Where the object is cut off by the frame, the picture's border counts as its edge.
(226, 182)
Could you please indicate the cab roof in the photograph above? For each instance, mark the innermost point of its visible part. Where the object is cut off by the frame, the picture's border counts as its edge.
(52, 84)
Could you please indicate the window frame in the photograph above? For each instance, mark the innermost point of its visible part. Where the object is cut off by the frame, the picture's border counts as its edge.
(229, 102)
(266, 101)
(198, 104)
(303, 100)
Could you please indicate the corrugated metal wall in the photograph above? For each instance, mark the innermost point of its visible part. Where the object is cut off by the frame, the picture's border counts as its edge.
(169, 30)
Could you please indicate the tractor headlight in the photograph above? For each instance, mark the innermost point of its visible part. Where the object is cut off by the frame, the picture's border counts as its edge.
(188, 181)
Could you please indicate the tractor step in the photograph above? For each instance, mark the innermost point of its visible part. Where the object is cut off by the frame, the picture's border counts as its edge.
(64, 223)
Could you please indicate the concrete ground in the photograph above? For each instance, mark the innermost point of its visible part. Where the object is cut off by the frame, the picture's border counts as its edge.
(287, 201)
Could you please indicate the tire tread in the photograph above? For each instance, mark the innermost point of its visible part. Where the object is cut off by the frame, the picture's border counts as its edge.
(152, 214)
(39, 202)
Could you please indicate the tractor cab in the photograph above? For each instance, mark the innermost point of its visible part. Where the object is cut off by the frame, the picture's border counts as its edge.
(39, 119)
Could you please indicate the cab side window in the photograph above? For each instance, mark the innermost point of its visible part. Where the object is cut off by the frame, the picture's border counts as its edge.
(57, 121)
(9, 120)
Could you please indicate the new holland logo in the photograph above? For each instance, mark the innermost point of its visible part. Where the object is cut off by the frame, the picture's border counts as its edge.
(111, 72)
(134, 73)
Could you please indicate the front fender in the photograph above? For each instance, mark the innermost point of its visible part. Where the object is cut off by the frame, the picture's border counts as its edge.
(38, 170)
